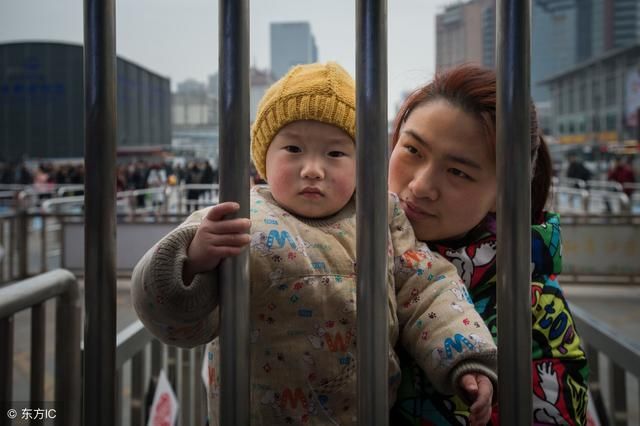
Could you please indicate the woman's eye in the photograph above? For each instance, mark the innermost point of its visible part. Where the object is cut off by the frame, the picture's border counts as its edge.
(336, 154)
(460, 173)
(411, 149)
(292, 148)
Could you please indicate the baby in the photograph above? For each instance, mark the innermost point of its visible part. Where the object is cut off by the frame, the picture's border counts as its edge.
(302, 238)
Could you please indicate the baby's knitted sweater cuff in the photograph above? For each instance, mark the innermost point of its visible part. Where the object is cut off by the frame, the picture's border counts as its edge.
(470, 367)
(198, 298)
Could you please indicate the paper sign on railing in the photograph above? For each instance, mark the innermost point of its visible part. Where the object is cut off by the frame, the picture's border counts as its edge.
(164, 409)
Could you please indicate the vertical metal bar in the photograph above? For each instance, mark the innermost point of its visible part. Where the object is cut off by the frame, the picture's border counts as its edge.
(43, 244)
(68, 377)
(12, 246)
(617, 395)
(595, 384)
(156, 359)
(23, 245)
(172, 359)
(371, 206)
(118, 399)
(100, 207)
(6, 252)
(6, 364)
(178, 384)
(234, 185)
(186, 397)
(514, 212)
(38, 345)
(198, 387)
(137, 389)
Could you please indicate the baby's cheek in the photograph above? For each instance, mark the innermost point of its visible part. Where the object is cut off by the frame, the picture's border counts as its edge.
(345, 188)
(279, 178)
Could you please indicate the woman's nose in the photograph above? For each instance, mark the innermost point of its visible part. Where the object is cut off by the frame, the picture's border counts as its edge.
(425, 184)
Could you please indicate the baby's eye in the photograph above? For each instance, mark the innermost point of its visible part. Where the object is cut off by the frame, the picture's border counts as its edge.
(336, 154)
(460, 173)
(292, 148)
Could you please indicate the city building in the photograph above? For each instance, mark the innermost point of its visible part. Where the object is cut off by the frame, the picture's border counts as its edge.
(42, 103)
(292, 43)
(465, 33)
(565, 33)
(195, 113)
(194, 106)
(260, 80)
(597, 100)
(195, 119)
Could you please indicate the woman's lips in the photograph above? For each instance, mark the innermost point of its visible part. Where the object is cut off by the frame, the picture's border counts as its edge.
(413, 212)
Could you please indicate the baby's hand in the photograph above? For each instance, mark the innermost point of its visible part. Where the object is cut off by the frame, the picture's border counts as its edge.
(215, 239)
(479, 392)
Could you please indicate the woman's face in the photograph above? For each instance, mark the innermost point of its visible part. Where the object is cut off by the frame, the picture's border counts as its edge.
(443, 171)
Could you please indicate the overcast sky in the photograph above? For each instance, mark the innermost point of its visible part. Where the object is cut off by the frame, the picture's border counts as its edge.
(179, 38)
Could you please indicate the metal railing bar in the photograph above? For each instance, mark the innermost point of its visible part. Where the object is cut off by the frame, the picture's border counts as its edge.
(131, 341)
(234, 185)
(617, 395)
(157, 355)
(607, 340)
(118, 384)
(6, 360)
(186, 397)
(371, 212)
(100, 95)
(36, 290)
(68, 393)
(172, 359)
(199, 389)
(513, 148)
(43, 245)
(38, 345)
(3, 261)
(12, 248)
(137, 389)
(23, 243)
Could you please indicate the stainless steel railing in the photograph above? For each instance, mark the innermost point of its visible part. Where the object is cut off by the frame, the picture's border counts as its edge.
(31, 294)
(139, 359)
(621, 357)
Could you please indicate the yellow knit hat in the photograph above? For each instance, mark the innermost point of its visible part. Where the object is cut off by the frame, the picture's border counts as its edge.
(320, 92)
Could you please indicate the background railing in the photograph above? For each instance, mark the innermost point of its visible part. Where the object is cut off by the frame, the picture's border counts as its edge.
(32, 294)
(612, 360)
(139, 358)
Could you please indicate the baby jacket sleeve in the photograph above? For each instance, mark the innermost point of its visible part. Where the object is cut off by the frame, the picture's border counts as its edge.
(439, 326)
(179, 315)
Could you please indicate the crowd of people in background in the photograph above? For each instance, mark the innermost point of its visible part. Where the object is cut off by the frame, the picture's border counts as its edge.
(132, 175)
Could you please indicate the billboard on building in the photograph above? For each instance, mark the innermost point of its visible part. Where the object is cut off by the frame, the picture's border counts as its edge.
(632, 94)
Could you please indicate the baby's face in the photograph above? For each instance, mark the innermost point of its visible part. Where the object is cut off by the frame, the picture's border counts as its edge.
(311, 168)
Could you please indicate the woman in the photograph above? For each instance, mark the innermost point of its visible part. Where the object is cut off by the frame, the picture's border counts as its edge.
(443, 169)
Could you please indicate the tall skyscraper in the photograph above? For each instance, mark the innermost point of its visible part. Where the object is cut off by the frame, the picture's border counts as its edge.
(292, 43)
(460, 33)
(564, 33)
(554, 45)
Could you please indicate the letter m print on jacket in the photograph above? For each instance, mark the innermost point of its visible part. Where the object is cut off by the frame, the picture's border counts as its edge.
(281, 238)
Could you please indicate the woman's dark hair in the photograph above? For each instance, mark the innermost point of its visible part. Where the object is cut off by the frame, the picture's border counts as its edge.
(473, 89)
